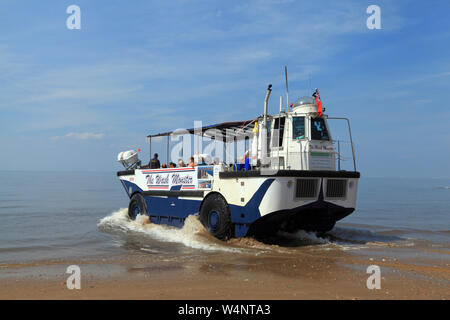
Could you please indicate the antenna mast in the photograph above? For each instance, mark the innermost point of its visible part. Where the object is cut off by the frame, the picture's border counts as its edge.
(287, 89)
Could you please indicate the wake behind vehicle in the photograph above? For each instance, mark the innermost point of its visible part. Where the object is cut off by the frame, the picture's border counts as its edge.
(286, 181)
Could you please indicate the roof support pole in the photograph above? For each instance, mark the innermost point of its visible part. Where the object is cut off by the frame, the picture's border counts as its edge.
(150, 147)
(198, 136)
(168, 142)
(235, 149)
(224, 150)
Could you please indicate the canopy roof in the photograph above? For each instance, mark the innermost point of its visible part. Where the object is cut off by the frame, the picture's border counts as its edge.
(224, 131)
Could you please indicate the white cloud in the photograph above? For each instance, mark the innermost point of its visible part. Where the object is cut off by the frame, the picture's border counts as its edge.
(81, 136)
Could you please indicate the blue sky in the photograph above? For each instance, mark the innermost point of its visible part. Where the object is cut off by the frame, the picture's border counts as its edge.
(72, 99)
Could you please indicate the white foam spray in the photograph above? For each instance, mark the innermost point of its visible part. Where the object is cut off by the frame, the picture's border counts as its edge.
(192, 234)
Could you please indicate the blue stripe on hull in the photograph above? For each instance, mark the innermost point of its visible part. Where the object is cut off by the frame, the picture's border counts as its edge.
(251, 210)
(173, 211)
(243, 216)
(130, 187)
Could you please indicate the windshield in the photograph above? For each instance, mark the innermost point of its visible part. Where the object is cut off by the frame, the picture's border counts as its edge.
(298, 126)
(318, 129)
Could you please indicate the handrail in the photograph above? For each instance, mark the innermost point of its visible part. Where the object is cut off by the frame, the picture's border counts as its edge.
(350, 133)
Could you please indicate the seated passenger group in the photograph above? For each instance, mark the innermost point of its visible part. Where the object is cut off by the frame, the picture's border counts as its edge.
(155, 164)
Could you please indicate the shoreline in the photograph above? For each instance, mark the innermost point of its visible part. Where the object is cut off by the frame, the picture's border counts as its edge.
(308, 275)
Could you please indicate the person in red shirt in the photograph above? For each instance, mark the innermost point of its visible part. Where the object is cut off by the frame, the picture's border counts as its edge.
(318, 102)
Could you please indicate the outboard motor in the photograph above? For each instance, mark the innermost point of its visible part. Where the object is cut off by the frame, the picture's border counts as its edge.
(129, 159)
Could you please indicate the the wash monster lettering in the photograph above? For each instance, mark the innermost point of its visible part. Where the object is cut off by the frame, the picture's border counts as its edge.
(157, 179)
(162, 179)
(176, 179)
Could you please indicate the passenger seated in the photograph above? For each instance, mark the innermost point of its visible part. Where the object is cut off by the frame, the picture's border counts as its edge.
(181, 163)
(191, 162)
(201, 162)
(172, 165)
(164, 166)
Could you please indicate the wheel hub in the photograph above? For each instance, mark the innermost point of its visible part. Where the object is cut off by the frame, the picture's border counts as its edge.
(214, 220)
(135, 212)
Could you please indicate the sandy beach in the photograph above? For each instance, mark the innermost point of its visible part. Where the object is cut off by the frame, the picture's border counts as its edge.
(124, 259)
(278, 274)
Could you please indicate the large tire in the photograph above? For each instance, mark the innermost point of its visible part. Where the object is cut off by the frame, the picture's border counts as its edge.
(215, 216)
(137, 206)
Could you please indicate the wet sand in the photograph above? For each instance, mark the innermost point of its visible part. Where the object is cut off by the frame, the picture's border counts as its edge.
(189, 263)
(307, 274)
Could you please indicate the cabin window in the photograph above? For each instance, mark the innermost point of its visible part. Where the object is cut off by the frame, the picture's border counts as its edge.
(319, 130)
(298, 127)
(278, 128)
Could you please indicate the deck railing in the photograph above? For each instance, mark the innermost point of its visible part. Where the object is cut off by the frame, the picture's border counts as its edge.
(350, 135)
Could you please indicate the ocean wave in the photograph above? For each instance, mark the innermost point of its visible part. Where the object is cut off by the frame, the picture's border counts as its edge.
(359, 235)
(327, 241)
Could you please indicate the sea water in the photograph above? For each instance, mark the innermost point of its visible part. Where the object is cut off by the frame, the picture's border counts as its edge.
(70, 215)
